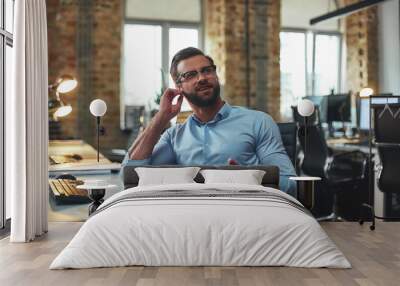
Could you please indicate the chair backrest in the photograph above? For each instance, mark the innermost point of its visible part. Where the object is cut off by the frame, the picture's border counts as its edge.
(387, 139)
(314, 119)
(311, 134)
(389, 179)
(316, 151)
(289, 139)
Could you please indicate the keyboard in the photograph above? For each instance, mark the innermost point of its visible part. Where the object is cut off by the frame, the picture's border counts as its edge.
(64, 191)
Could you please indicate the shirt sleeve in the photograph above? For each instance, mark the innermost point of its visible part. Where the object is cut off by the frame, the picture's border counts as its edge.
(270, 151)
(162, 154)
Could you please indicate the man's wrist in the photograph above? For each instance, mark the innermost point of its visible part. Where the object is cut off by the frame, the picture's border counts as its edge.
(161, 119)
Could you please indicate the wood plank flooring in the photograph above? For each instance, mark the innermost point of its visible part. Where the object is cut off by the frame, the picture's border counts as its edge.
(374, 255)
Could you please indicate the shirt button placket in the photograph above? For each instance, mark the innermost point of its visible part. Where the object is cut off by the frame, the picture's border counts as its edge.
(205, 151)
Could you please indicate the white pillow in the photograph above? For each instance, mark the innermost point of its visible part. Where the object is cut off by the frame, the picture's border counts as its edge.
(166, 176)
(248, 177)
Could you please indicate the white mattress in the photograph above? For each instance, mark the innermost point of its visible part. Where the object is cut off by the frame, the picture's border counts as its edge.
(183, 231)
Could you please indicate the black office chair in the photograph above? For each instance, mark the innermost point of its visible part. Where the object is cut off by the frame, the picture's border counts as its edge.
(387, 142)
(339, 171)
(288, 132)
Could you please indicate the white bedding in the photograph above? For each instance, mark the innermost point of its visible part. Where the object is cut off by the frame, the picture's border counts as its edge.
(183, 231)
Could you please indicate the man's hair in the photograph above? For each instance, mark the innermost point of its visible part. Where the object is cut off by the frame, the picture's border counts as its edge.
(183, 55)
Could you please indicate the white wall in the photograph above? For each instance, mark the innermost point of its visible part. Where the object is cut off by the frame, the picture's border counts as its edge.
(168, 10)
(389, 47)
(297, 14)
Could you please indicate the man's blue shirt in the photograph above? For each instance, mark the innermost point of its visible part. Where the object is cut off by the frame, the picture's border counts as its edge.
(249, 137)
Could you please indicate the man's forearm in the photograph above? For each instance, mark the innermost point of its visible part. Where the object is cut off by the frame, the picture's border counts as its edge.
(143, 146)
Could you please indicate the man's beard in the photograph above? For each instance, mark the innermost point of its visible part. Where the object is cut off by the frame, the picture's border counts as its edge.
(198, 101)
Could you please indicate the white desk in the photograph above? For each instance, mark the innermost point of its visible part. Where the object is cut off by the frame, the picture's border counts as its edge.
(75, 157)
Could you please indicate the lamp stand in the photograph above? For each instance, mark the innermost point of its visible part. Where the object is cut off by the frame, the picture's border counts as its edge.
(305, 136)
(98, 137)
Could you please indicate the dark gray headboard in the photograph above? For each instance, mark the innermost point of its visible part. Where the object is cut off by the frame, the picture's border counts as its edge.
(270, 179)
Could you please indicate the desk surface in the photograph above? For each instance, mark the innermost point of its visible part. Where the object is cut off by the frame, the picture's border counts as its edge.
(76, 155)
(334, 141)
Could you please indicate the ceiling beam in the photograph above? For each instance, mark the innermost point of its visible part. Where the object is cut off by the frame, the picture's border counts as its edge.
(347, 10)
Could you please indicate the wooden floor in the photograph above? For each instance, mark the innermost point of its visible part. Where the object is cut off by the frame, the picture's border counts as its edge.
(375, 256)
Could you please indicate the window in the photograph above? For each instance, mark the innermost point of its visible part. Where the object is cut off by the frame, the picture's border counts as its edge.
(6, 43)
(310, 65)
(150, 40)
(293, 69)
(327, 63)
(142, 63)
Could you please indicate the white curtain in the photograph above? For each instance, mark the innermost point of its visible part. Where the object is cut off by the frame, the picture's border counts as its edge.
(27, 123)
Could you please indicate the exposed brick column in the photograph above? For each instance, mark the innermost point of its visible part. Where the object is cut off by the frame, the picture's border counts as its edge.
(107, 29)
(226, 42)
(61, 34)
(362, 49)
(214, 28)
(273, 23)
(84, 39)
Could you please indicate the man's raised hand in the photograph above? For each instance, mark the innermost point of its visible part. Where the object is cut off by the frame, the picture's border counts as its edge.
(168, 110)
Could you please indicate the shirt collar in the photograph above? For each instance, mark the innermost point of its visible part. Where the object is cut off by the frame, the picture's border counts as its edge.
(222, 113)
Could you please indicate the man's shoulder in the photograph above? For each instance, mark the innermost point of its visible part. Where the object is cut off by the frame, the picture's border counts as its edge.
(177, 127)
(256, 114)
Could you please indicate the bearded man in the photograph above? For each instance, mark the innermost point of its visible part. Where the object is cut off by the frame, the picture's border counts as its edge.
(216, 133)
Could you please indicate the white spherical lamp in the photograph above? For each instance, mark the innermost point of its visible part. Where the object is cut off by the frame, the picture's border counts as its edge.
(98, 107)
(305, 107)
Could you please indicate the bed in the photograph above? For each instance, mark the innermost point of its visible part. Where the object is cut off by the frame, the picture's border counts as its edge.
(197, 224)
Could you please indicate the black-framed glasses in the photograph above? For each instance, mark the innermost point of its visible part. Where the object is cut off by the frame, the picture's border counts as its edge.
(207, 71)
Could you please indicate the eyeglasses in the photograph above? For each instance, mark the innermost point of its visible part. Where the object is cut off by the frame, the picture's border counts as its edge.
(207, 71)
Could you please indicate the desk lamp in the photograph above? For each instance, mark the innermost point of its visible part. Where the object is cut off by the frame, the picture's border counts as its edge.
(98, 108)
(305, 108)
(63, 84)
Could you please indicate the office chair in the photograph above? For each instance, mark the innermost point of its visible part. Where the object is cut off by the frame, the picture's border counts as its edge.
(289, 139)
(339, 171)
(387, 142)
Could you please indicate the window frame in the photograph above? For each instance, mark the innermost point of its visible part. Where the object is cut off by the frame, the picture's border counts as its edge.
(310, 85)
(6, 39)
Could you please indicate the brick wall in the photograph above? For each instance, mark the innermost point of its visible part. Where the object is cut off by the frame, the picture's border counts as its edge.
(85, 41)
(225, 31)
(362, 49)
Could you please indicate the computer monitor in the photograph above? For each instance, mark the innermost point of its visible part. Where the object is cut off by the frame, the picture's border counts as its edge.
(363, 109)
(339, 108)
(363, 117)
